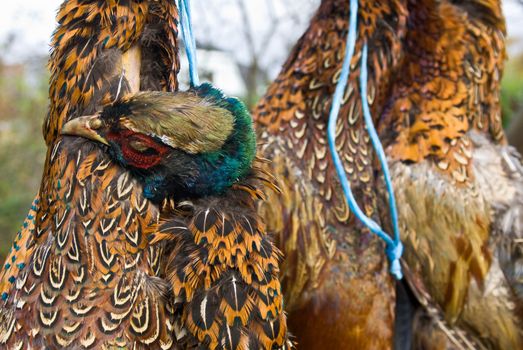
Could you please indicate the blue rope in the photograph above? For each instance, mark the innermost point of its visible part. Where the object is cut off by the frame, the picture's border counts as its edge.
(188, 39)
(394, 248)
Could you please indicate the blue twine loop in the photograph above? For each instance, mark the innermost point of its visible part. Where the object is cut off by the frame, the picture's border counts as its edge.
(394, 248)
(394, 253)
(188, 39)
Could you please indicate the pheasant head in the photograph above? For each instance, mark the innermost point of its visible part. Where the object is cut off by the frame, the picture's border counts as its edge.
(183, 144)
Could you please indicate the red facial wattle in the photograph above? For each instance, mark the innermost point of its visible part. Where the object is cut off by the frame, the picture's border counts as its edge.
(135, 158)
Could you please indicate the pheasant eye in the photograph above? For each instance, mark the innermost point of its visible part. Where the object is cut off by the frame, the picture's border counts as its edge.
(139, 150)
(139, 145)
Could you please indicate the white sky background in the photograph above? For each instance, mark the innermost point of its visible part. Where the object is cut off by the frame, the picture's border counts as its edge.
(32, 22)
(26, 26)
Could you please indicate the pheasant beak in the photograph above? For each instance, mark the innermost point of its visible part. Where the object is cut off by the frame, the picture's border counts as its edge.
(85, 126)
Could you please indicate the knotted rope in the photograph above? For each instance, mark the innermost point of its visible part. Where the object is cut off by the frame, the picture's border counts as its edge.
(394, 248)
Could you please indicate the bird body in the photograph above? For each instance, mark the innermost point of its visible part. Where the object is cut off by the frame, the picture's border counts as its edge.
(147, 238)
(194, 152)
(434, 92)
(338, 291)
(90, 277)
(89, 268)
(458, 182)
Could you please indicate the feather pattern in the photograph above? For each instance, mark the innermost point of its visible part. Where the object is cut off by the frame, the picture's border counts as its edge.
(454, 175)
(334, 273)
(223, 269)
(91, 279)
(462, 251)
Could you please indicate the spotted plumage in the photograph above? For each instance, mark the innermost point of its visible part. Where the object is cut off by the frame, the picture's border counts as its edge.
(338, 291)
(458, 181)
(15, 260)
(223, 268)
(194, 151)
(434, 92)
(90, 278)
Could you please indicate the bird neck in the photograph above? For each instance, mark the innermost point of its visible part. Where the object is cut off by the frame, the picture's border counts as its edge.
(233, 161)
(223, 168)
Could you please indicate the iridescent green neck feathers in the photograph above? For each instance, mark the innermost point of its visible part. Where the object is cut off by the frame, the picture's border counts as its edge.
(180, 145)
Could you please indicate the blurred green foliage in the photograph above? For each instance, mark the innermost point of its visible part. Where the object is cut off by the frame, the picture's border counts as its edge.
(23, 105)
(512, 90)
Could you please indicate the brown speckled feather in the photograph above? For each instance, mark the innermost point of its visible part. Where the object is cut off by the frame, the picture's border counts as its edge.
(87, 47)
(15, 260)
(224, 270)
(455, 179)
(338, 291)
(90, 277)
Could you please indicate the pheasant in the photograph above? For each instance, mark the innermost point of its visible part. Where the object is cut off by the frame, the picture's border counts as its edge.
(82, 273)
(434, 91)
(195, 150)
(338, 292)
(458, 182)
(100, 272)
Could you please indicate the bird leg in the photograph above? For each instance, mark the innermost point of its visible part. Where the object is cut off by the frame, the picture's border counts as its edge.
(131, 62)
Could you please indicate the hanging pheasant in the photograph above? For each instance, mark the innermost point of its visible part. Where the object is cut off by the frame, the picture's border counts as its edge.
(459, 184)
(338, 292)
(456, 182)
(94, 281)
(83, 273)
(195, 150)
